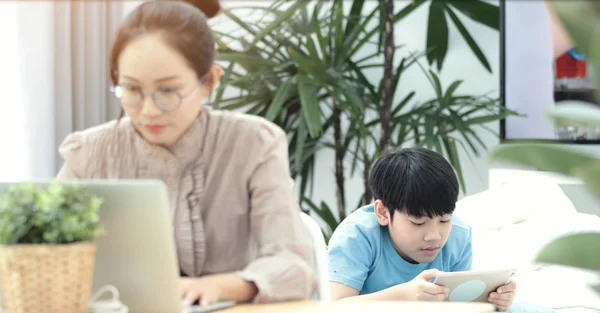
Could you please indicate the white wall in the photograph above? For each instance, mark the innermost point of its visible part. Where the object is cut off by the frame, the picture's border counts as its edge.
(128, 6)
(529, 70)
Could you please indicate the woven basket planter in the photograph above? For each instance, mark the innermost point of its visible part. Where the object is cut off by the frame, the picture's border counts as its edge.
(46, 278)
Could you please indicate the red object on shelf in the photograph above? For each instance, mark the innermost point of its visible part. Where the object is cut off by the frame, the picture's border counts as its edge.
(569, 67)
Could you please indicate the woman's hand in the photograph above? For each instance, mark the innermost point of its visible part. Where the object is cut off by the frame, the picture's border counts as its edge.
(213, 288)
(204, 289)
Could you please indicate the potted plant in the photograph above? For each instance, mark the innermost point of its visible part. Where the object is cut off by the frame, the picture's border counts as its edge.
(47, 247)
(305, 65)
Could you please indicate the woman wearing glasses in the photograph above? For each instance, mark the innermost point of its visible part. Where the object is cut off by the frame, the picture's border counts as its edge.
(237, 226)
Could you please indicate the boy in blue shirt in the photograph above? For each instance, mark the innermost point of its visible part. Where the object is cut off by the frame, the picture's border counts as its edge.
(391, 249)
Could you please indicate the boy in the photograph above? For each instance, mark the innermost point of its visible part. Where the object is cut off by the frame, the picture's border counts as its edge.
(390, 250)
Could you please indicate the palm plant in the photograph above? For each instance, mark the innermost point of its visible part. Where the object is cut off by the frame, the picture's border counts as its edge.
(440, 11)
(580, 19)
(304, 65)
(445, 123)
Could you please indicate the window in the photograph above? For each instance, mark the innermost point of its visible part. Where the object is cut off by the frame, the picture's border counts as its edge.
(13, 154)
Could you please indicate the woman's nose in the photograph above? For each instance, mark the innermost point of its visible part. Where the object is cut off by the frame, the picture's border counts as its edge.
(149, 108)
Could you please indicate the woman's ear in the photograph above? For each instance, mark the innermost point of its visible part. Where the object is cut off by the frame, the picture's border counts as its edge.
(215, 75)
(212, 78)
(382, 213)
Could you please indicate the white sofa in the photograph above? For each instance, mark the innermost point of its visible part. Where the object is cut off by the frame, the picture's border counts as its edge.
(511, 222)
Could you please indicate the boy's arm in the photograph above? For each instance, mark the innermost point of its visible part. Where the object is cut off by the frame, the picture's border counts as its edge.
(341, 291)
(418, 289)
(351, 254)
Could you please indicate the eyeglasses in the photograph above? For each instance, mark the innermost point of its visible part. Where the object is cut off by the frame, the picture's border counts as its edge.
(166, 99)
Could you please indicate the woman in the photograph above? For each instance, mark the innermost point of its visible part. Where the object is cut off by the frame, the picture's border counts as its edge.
(237, 226)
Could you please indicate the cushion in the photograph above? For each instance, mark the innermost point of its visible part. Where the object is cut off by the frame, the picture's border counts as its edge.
(512, 222)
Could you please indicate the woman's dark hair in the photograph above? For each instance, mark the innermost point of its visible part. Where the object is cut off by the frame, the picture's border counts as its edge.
(415, 181)
(183, 26)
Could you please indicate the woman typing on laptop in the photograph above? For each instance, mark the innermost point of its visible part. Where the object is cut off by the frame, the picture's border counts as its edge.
(237, 226)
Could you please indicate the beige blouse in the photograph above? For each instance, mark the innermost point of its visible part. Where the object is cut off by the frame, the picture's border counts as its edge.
(230, 191)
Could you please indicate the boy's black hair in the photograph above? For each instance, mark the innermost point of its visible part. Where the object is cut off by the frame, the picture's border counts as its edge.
(415, 181)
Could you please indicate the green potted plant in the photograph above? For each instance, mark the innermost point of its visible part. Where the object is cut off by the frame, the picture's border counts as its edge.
(305, 65)
(581, 250)
(47, 247)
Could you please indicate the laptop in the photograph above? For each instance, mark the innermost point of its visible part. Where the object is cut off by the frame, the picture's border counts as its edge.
(137, 254)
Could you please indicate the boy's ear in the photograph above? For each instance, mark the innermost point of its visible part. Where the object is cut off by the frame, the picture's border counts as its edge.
(382, 213)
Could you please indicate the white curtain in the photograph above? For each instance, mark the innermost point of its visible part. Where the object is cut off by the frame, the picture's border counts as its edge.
(84, 31)
(13, 155)
(53, 79)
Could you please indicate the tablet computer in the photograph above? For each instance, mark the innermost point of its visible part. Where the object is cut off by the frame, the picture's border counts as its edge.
(473, 286)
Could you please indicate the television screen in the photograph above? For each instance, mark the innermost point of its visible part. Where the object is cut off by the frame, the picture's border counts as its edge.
(540, 69)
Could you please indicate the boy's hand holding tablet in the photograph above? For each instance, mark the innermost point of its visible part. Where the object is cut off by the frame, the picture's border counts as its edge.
(496, 287)
(503, 297)
(422, 289)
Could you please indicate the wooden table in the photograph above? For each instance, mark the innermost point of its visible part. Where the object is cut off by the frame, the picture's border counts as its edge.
(362, 307)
